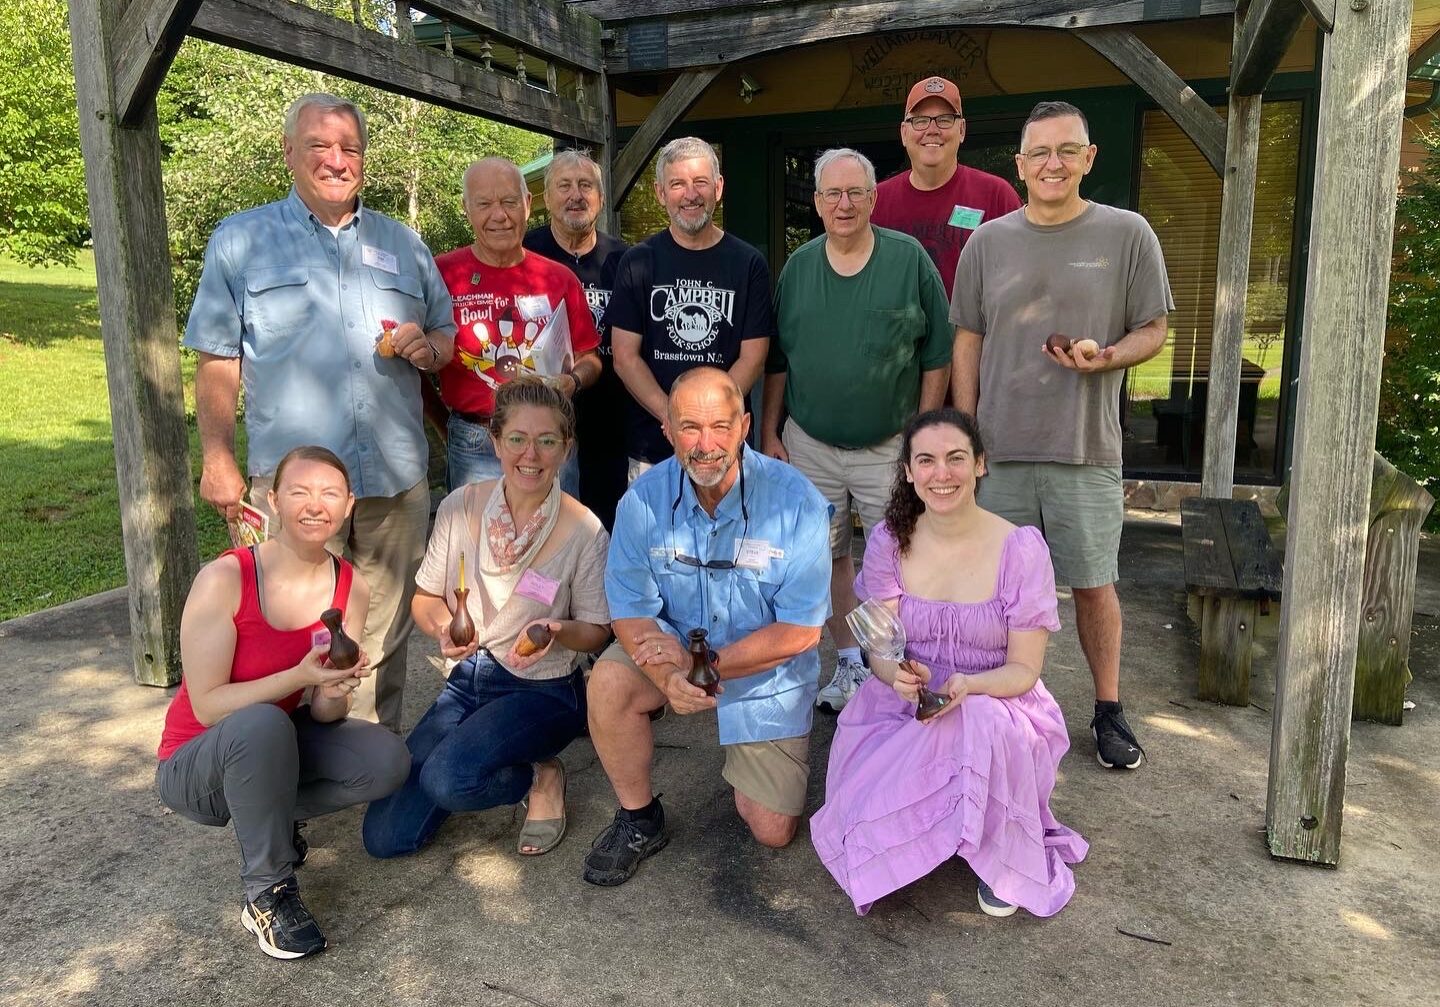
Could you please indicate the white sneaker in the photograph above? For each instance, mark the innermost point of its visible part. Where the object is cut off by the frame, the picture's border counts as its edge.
(849, 676)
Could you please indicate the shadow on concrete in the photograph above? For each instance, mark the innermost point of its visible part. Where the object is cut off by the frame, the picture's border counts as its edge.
(110, 899)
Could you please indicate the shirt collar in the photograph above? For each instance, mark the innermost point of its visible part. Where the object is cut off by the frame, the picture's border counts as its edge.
(302, 213)
(730, 504)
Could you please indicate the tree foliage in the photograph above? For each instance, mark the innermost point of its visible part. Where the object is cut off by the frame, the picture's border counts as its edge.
(43, 216)
(1409, 429)
(220, 113)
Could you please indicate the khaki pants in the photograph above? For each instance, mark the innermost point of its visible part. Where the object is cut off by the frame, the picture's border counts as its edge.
(385, 540)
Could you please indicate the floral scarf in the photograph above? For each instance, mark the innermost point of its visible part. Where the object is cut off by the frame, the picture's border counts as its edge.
(507, 552)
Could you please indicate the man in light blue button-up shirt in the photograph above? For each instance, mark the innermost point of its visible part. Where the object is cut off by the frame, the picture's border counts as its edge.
(293, 300)
(727, 540)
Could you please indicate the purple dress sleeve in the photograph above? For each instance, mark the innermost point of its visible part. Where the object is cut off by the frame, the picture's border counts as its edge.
(879, 576)
(1027, 582)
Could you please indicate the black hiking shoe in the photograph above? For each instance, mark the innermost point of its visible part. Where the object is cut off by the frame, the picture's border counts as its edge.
(281, 923)
(616, 853)
(1115, 744)
(301, 846)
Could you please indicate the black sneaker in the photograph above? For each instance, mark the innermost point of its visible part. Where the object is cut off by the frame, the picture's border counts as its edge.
(282, 924)
(301, 846)
(1115, 744)
(616, 853)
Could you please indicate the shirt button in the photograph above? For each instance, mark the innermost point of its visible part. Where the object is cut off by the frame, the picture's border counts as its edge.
(356, 365)
(714, 618)
(350, 325)
(344, 286)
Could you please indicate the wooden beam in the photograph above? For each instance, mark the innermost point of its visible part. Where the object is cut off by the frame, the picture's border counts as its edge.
(1232, 279)
(142, 350)
(145, 43)
(1266, 31)
(294, 34)
(605, 156)
(726, 35)
(1192, 113)
(551, 28)
(631, 161)
(1323, 11)
(1362, 95)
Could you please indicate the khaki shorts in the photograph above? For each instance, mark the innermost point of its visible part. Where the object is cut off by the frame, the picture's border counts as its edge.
(1080, 510)
(774, 774)
(862, 476)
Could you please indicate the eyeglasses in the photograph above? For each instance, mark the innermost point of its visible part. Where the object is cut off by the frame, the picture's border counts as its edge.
(832, 196)
(712, 564)
(941, 121)
(546, 444)
(1067, 152)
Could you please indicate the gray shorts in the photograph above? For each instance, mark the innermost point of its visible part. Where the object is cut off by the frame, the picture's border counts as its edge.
(1078, 508)
(862, 476)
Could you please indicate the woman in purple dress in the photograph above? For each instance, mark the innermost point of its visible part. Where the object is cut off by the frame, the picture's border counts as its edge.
(977, 597)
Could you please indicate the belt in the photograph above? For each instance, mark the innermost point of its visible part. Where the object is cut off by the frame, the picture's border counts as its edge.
(475, 418)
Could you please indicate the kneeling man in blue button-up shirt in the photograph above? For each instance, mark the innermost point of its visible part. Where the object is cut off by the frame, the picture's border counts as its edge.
(727, 540)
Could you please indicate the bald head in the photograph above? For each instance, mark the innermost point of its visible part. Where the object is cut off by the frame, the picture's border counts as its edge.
(705, 382)
(497, 204)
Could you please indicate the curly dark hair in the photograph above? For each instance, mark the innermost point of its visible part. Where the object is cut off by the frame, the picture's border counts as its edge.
(905, 506)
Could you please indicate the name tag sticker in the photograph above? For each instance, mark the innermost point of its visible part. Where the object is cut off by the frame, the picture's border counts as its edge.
(533, 307)
(320, 638)
(966, 217)
(537, 587)
(379, 258)
(754, 554)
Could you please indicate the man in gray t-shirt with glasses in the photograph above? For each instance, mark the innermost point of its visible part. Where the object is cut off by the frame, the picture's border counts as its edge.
(1052, 304)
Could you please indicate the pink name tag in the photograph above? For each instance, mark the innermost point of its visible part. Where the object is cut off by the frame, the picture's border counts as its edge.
(537, 587)
(320, 638)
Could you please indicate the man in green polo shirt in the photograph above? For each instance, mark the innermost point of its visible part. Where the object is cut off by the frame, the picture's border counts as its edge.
(864, 343)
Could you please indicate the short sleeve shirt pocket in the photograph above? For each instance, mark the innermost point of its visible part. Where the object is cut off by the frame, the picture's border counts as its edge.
(278, 300)
(396, 297)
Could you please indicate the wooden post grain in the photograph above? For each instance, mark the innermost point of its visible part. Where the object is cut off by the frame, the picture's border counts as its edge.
(142, 353)
(1362, 97)
(1232, 276)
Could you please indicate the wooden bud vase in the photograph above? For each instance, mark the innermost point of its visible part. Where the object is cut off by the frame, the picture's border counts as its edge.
(344, 652)
(462, 627)
(702, 673)
(930, 703)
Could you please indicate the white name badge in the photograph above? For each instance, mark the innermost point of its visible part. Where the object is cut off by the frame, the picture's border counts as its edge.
(755, 554)
(379, 258)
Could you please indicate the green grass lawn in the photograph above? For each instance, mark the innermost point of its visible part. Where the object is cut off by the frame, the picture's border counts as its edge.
(59, 511)
(1151, 380)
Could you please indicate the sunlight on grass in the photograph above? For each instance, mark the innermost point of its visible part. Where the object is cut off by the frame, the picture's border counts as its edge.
(59, 515)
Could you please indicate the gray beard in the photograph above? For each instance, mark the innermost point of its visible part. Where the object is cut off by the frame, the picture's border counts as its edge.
(692, 229)
(706, 483)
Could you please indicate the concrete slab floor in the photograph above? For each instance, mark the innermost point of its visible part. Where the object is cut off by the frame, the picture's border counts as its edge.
(107, 898)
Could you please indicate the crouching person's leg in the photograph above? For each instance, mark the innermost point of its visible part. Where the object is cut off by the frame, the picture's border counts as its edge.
(245, 769)
(770, 778)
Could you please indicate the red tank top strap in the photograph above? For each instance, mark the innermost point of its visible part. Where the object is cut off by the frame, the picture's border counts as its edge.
(249, 590)
(343, 577)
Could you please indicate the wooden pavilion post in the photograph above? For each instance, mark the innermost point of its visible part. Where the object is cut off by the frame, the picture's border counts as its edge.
(1232, 277)
(1362, 97)
(137, 328)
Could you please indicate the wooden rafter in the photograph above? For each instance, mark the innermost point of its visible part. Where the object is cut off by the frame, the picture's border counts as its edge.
(1192, 113)
(1268, 28)
(677, 101)
(550, 28)
(726, 35)
(145, 43)
(296, 34)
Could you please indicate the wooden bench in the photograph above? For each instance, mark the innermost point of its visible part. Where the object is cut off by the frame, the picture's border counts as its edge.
(1234, 572)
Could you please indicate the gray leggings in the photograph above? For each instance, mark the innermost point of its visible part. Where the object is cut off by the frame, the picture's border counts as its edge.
(266, 770)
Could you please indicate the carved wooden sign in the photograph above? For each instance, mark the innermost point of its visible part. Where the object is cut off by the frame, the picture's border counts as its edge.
(883, 67)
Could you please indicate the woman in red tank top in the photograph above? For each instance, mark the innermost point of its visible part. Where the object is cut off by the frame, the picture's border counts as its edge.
(260, 708)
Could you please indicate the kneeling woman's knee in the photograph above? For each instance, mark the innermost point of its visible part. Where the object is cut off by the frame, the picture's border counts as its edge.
(389, 761)
(260, 730)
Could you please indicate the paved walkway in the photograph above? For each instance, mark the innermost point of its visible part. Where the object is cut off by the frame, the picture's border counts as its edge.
(110, 899)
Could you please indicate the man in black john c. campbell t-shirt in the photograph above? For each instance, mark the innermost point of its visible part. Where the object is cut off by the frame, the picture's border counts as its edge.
(574, 197)
(690, 296)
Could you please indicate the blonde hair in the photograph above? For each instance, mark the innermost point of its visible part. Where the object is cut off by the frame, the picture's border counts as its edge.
(532, 390)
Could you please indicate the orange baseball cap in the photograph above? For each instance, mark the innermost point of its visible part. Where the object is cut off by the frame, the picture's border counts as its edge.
(933, 87)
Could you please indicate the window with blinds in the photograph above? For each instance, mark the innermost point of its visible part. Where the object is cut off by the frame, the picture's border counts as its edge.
(1179, 195)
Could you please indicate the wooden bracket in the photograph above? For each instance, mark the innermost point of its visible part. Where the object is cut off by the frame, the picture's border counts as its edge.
(1192, 113)
(1266, 32)
(145, 43)
(677, 101)
(1323, 11)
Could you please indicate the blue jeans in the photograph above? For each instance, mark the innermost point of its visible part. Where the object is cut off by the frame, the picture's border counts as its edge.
(473, 750)
(470, 457)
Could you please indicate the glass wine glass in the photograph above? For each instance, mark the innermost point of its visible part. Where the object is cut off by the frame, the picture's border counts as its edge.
(880, 632)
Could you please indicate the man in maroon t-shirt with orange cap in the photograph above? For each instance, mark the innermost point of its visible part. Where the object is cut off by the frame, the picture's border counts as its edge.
(939, 202)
